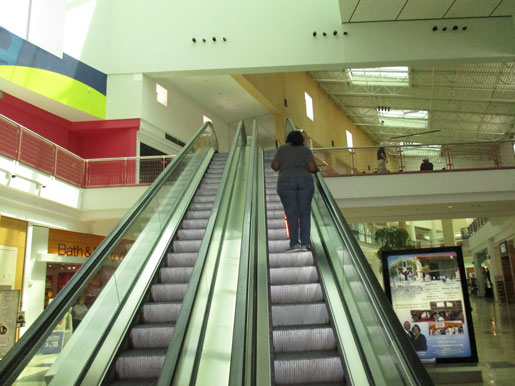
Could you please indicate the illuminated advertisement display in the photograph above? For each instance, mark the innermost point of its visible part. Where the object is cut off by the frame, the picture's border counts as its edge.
(428, 292)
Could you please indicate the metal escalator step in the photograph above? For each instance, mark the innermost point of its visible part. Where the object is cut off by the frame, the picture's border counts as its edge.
(181, 259)
(200, 223)
(140, 364)
(151, 335)
(135, 382)
(298, 293)
(275, 214)
(269, 191)
(277, 234)
(297, 314)
(201, 206)
(293, 275)
(274, 205)
(168, 292)
(304, 338)
(206, 191)
(278, 246)
(160, 312)
(175, 275)
(276, 223)
(203, 199)
(186, 245)
(273, 198)
(312, 367)
(190, 234)
(197, 214)
(283, 260)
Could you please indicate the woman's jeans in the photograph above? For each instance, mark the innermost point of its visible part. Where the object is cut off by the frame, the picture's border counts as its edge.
(296, 194)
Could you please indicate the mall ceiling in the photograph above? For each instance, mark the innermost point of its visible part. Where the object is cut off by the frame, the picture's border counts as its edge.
(464, 102)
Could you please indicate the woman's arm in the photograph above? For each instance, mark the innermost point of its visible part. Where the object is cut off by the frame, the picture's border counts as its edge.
(275, 165)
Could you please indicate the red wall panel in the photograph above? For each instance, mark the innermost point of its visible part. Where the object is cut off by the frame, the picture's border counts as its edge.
(92, 139)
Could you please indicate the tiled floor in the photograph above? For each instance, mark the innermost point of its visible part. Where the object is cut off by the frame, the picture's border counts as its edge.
(494, 325)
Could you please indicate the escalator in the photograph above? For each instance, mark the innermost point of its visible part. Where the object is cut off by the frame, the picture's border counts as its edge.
(143, 352)
(304, 344)
(205, 294)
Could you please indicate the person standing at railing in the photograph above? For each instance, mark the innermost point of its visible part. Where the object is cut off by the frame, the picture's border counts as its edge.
(381, 160)
(295, 164)
(426, 165)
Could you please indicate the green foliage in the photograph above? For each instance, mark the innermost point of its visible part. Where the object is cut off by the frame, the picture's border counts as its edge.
(392, 238)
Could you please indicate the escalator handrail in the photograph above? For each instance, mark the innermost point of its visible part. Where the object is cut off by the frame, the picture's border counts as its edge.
(21, 353)
(181, 326)
(239, 342)
(375, 292)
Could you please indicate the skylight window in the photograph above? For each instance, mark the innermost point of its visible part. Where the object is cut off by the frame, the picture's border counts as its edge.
(309, 106)
(379, 76)
(350, 142)
(161, 94)
(416, 119)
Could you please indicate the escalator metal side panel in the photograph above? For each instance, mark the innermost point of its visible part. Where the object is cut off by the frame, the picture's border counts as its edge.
(104, 326)
(182, 361)
(263, 371)
(389, 355)
(357, 372)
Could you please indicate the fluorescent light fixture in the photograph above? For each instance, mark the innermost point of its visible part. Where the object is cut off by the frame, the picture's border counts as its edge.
(161, 94)
(379, 76)
(416, 119)
(309, 106)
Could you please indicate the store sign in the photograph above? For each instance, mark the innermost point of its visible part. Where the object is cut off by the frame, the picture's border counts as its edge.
(428, 292)
(66, 243)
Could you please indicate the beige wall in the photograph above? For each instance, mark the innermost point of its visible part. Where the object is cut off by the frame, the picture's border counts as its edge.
(329, 122)
(13, 233)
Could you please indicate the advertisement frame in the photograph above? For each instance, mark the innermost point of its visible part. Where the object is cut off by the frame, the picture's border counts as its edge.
(473, 358)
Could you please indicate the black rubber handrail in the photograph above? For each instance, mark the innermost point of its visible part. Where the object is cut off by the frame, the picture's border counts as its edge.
(22, 352)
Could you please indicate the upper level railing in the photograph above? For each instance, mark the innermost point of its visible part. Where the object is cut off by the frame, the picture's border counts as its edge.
(345, 161)
(25, 146)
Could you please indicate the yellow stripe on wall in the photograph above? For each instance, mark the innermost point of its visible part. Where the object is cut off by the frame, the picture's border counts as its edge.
(60, 88)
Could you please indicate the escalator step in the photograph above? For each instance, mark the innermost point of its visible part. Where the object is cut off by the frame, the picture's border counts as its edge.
(160, 312)
(293, 275)
(135, 382)
(276, 223)
(186, 245)
(312, 367)
(168, 292)
(273, 198)
(175, 275)
(277, 234)
(283, 260)
(186, 259)
(304, 338)
(194, 224)
(203, 199)
(278, 246)
(297, 314)
(275, 214)
(196, 214)
(274, 205)
(190, 234)
(201, 206)
(299, 293)
(144, 364)
(207, 191)
(151, 335)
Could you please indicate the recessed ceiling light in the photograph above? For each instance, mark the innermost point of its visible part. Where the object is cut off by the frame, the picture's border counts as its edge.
(450, 206)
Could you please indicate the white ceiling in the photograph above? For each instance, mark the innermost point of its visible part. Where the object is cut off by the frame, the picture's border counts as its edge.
(220, 94)
(355, 11)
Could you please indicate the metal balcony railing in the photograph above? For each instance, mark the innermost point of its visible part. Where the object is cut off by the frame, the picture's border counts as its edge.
(23, 145)
(345, 161)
